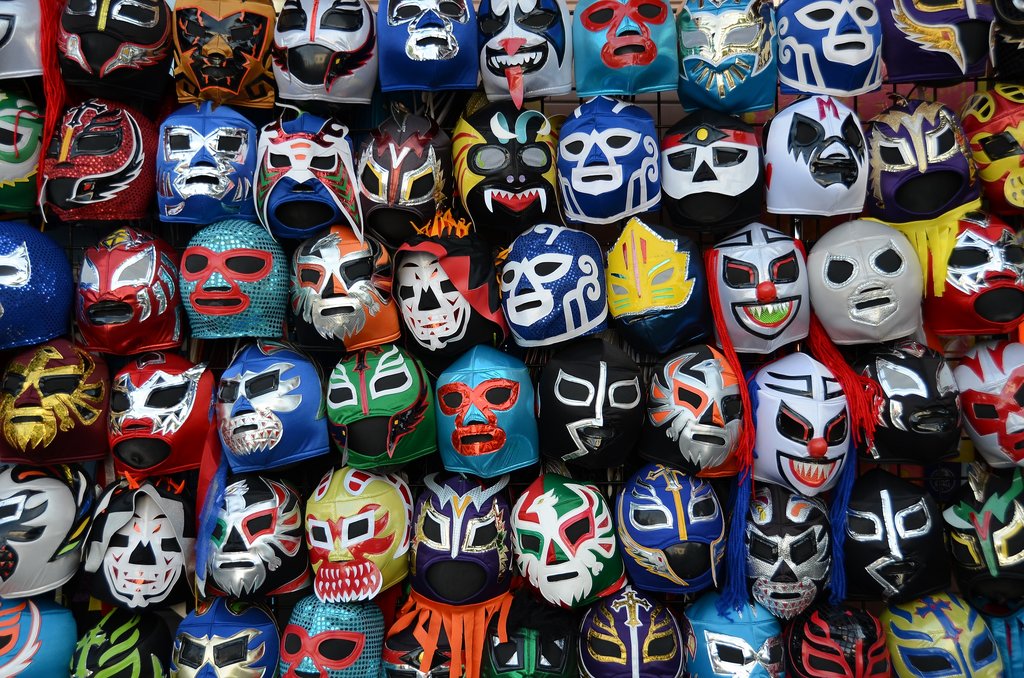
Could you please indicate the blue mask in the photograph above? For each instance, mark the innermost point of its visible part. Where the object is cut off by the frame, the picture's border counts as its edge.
(427, 45)
(608, 163)
(746, 642)
(234, 279)
(39, 638)
(485, 420)
(270, 408)
(205, 166)
(727, 55)
(226, 638)
(36, 288)
(333, 640)
(624, 47)
(1009, 633)
(553, 286)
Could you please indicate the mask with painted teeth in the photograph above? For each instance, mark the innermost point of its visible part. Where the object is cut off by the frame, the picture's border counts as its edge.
(991, 382)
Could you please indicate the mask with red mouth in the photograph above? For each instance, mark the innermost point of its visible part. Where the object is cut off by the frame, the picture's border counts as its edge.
(358, 527)
(332, 640)
(624, 47)
(234, 278)
(128, 301)
(485, 417)
(991, 382)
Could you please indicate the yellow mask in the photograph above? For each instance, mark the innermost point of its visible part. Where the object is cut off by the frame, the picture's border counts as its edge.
(647, 272)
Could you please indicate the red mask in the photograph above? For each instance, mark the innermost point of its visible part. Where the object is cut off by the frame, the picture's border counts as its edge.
(101, 163)
(608, 15)
(477, 433)
(128, 300)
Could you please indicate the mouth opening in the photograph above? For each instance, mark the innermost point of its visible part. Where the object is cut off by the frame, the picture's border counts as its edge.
(109, 313)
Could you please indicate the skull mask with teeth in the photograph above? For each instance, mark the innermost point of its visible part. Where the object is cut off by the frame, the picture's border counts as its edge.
(427, 45)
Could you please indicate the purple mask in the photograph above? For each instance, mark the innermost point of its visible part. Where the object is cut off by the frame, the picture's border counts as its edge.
(462, 543)
(927, 40)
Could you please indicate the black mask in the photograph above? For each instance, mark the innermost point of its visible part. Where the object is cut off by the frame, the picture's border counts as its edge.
(830, 641)
(123, 643)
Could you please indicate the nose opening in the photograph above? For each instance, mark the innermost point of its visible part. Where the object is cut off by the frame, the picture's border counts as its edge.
(428, 301)
(704, 173)
(234, 543)
(142, 555)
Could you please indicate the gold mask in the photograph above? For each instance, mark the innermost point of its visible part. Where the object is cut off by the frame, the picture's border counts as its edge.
(646, 272)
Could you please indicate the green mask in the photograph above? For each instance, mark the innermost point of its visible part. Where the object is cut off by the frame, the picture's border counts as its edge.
(531, 653)
(125, 645)
(21, 126)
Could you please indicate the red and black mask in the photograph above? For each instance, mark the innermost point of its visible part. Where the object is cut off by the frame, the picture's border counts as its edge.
(836, 642)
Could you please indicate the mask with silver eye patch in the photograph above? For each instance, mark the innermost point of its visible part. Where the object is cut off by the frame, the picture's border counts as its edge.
(742, 643)
(734, 656)
(431, 26)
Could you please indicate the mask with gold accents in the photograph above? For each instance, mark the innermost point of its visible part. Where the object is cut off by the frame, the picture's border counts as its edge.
(54, 405)
(994, 123)
(928, 40)
(228, 639)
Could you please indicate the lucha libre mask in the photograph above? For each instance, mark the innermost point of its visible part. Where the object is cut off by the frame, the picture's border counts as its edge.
(101, 163)
(234, 278)
(829, 47)
(505, 167)
(608, 160)
(920, 162)
(1006, 35)
(20, 42)
(38, 638)
(727, 56)
(120, 49)
(694, 410)
(1008, 630)
(270, 408)
(866, 283)
(836, 642)
(989, 378)
(918, 413)
(541, 643)
(744, 642)
(380, 408)
(671, 530)
(553, 286)
(141, 547)
(816, 157)
(994, 124)
(332, 640)
(485, 414)
(712, 172)
(628, 635)
(137, 644)
(929, 41)
(525, 49)
(427, 45)
(326, 51)
(761, 278)
(789, 550)
(54, 406)
(206, 165)
(624, 47)
(226, 638)
(358, 527)
(47, 516)
(160, 414)
(402, 656)
(984, 285)
(341, 291)
(462, 540)
(564, 542)
(940, 635)
(405, 176)
(985, 528)
(20, 147)
(306, 177)
(590, 402)
(258, 543)
(657, 288)
(894, 543)
(802, 424)
(222, 52)
(36, 287)
(128, 300)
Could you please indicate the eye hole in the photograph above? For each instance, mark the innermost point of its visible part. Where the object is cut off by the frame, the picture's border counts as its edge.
(323, 163)
(826, 667)
(259, 524)
(450, 9)
(179, 142)
(601, 16)
(485, 534)
(431, 528)
(229, 143)
(342, 20)
(803, 549)
(336, 649)
(732, 407)
(930, 664)
(506, 654)
(762, 549)
(13, 384)
(529, 543)
(407, 12)
(945, 141)
(727, 157)
(63, 383)
(291, 19)
(1000, 146)
(392, 382)
(1014, 254)
(167, 397)
(361, 269)
(452, 400)
(422, 186)
(739, 274)
(839, 271)
(649, 517)
(537, 19)
(552, 652)
(730, 654)
(982, 650)
(488, 159)
(604, 648)
(318, 534)
(852, 133)
(618, 141)
(985, 411)
(785, 269)
(279, 161)
(792, 425)
(29, 534)
(574, 147)
(231, 652)
(262, 384)
(650, 11)
(491, 24)
(704, 508)
(119, 402)
(370, 180)
(191, 654)
(835, 430)
(805, 133)
(498, 395)
(576, 531)
(865, 13)
(968, 257)
(534, 156)
(291, 643)
(357, 527)
(310, 276)
(891, 155)
(889, 261)
(690, 397)
(97, 143)
(195, 263)
(682, 161)
(245, 264)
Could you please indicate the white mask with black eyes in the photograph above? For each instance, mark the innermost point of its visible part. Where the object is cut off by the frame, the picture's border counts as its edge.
(432, 308)
(866, 283)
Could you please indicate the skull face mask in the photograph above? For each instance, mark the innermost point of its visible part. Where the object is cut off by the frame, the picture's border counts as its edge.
(608, 162)
(994, 124)
(54, 405)
(866, 283)
(46, 513)
(222, 51)
(228, 638)
(332, 640)
(525, 49)
(341, 291)
(36, 287)
(38, 638)
(427, 45)
(816, 158)
(20, 52)
(20, 146)
(629, 635)
(485, 420)
(123, 641)
(101, 163)
(745, 643)
(895, 548)
(929, 41)
(306, 177)
(727, 56)
(234, 277)
(270, 408)
(326, 51)
(802, 425)
(206, 165)
(358, 527)
(381, 408)
(128, 300)
(836, 642)
(553, 286)
(990, 377)
(259, 544)
(505, 167)
(789, 550)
